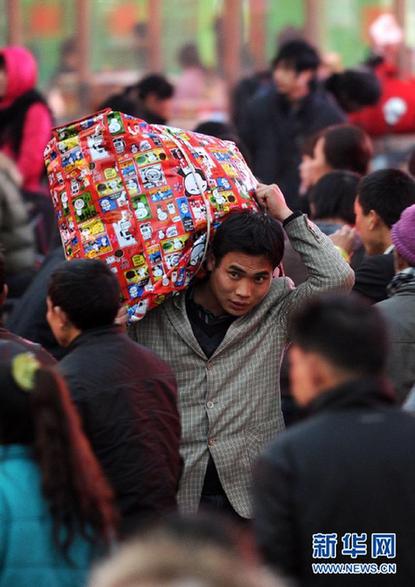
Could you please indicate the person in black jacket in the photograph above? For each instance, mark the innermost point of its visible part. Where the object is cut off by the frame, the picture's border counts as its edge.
(282, 116)
(125, 394)
(382, 196)
(338, 487)
(150, 98)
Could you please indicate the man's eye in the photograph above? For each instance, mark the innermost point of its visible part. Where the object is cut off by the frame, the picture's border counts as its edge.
(260, 279)
(234, 274)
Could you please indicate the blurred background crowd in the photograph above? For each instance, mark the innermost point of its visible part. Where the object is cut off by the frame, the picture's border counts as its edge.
(319, 96)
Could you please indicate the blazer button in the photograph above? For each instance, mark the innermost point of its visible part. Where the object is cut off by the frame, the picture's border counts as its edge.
(209, 365)
(211, 442)
(210, 404)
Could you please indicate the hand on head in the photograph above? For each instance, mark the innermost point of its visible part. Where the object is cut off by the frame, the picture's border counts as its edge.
(271, 200)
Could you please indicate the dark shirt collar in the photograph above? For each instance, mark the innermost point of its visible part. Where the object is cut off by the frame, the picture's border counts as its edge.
(203, 314)
(93, 333)
(358, 393)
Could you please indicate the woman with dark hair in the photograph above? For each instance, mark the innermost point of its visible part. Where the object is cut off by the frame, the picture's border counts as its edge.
(332, 200)
(341, 146)
(56, 511)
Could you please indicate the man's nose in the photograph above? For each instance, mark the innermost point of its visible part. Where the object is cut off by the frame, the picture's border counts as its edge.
(244, 289)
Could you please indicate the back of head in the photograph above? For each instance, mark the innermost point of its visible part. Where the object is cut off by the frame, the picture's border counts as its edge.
(333, 196)
(252, 233)
(345, 330)
(155, 84)
(16, 422)
(213, 128)
(354, 88)
(297, 55)
(121, 103)
(347, 147)
(87, 291)
(168, 560)
(388, 192)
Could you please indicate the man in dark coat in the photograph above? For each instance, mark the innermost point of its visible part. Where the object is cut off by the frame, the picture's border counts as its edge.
(282, 116)
(337, 489)
(382, 196)
(125, 394)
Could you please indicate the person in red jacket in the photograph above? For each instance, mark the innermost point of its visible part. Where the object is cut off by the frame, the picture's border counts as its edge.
(25, 119)
(395, 111)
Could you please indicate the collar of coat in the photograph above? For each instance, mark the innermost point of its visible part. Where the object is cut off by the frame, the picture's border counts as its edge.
(368, 392)
(94, 333)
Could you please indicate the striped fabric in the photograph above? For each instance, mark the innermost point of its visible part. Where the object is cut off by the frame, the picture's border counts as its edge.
(230, 404)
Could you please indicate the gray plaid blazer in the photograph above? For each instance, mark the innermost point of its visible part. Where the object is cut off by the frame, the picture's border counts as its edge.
(230, 404)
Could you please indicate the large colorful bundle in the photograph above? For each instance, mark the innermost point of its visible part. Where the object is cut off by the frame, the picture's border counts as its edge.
(144, 198)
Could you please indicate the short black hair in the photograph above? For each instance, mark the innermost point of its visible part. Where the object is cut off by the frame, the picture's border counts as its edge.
(388, 192)
(121, 103)
(252, 233)
(354, 88)
(347, 146)
(334, 194)
(345, 329)
(298, 55)
(157, 84)
(87, 291)
(221, 130)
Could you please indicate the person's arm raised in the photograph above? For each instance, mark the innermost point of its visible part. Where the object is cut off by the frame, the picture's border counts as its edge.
(327, 270)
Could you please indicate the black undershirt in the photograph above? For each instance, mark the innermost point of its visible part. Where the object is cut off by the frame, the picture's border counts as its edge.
(209, 331)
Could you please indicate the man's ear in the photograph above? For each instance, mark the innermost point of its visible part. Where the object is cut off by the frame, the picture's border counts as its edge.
(62, 316)
(374, 220)
(210, 262)
(57, 313)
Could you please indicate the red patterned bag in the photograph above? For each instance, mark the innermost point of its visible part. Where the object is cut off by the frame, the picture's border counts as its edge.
(144, 198)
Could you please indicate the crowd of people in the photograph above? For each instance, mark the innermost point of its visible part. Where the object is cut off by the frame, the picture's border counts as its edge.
(253, 430)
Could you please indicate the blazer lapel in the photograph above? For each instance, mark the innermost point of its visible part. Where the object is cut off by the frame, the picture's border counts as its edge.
(176, 313)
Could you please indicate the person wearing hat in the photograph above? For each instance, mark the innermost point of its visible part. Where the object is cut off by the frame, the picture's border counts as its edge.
(399, 308)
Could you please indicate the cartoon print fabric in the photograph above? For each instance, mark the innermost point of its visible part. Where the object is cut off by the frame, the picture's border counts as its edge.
(143, 198)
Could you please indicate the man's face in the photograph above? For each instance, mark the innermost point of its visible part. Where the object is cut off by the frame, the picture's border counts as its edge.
(363, 226)
(160, 106)
(313, 168)
(239, 282)
(294, 85)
